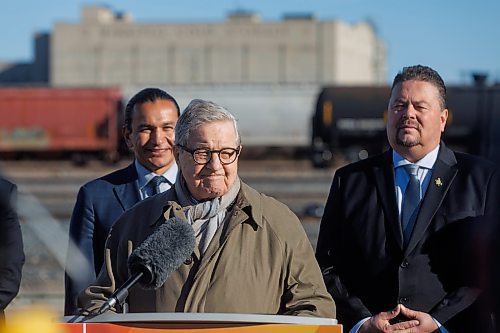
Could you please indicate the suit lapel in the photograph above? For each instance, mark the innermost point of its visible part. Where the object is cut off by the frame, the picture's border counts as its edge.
(384, 179)
(443, 174)
(127, 193)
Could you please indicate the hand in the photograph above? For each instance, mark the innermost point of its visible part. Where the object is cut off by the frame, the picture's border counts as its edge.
(380, 323)
(426, 323)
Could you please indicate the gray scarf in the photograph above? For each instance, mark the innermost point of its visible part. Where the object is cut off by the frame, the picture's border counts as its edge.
(207, 216)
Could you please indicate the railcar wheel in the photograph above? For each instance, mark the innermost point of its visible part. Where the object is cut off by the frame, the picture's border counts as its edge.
(79, 159)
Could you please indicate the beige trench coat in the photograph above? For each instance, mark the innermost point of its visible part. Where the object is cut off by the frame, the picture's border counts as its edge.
(260, 262)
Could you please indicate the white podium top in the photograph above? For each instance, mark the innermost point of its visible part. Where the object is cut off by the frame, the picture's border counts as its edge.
(181, 317)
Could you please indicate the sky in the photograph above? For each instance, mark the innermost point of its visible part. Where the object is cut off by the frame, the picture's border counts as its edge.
(455, 37)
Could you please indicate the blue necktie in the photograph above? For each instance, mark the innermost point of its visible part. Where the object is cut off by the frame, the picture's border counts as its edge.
(411, 201)
(156, 182)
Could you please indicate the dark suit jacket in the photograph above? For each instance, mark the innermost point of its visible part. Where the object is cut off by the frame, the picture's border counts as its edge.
(11, 245)
(442, 270)
(98, 205)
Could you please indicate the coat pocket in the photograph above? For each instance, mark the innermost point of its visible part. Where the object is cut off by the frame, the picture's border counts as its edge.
(459, 215)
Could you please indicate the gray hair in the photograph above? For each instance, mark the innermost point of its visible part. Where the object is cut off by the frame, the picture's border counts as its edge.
(200, 112)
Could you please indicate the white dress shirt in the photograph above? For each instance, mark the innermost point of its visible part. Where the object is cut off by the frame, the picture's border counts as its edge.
(144, 176)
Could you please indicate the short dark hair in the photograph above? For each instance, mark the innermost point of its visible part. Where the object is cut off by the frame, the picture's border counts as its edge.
(422, 73)
(143, 96)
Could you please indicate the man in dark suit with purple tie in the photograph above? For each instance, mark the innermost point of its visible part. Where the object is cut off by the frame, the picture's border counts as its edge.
(150, 118)
(404, 237)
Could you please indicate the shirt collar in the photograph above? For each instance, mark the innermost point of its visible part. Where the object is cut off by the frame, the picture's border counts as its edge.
(426, 162)
(144, 175)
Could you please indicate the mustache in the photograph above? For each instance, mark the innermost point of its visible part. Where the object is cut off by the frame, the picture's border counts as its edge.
(405, 122)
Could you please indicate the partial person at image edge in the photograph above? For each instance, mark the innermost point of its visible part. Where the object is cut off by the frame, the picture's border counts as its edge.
(11, 246)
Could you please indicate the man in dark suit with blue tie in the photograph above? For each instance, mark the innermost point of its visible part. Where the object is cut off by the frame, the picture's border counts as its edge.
(150, 118)
(403, 241)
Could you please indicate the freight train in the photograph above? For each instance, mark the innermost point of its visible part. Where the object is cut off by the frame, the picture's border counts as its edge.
(351, 121)
(83, 123)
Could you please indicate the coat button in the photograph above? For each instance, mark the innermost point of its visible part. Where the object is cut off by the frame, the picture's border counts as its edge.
(188, 261)
(403, 300)
(405, 264)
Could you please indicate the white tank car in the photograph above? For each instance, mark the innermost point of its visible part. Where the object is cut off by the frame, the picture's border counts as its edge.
(268, 115)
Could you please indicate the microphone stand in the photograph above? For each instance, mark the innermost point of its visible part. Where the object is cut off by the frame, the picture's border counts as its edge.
(120, 295)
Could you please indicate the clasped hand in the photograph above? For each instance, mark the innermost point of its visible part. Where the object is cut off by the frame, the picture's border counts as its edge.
(415, 322)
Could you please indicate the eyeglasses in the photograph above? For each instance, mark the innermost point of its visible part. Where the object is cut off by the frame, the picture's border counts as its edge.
(204, 155)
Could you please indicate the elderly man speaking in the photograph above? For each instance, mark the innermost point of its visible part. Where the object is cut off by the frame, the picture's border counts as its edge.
(251, 255)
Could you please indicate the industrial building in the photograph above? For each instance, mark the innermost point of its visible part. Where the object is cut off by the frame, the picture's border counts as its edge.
(106, 48)
(262, 71)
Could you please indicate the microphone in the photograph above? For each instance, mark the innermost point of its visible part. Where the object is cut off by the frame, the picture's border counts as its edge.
(152, 262)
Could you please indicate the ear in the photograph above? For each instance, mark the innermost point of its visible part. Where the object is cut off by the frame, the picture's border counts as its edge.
(126, 136)
(443, 118)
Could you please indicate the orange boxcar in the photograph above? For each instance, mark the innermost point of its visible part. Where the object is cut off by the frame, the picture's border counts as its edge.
(60, 121)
